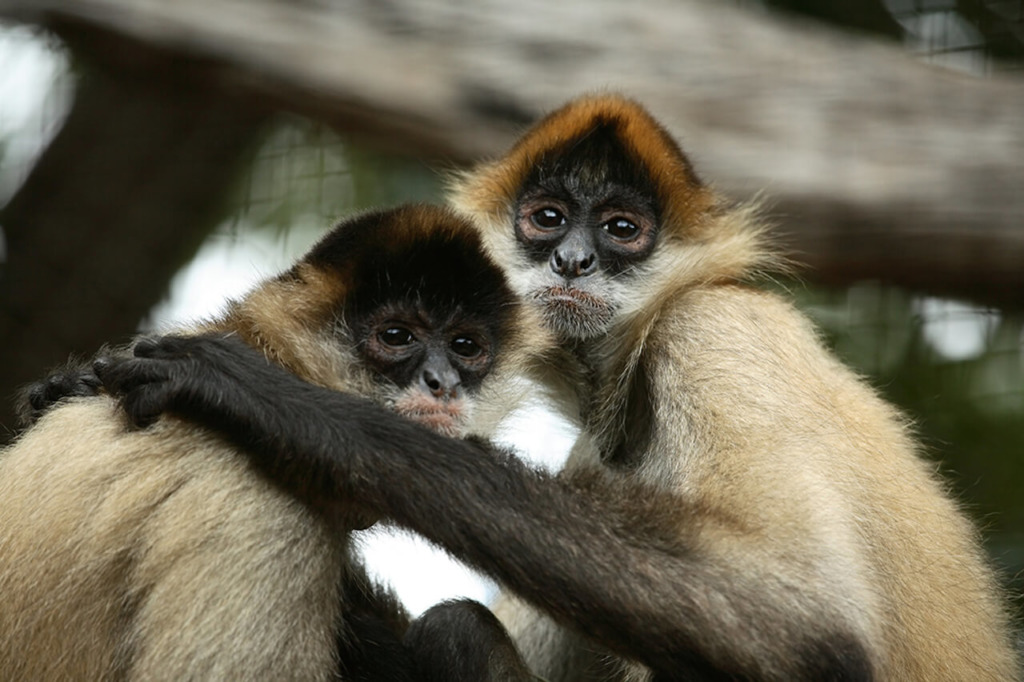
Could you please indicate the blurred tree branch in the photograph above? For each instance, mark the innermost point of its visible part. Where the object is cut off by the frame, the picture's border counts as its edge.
(878, 166)
(869, 154)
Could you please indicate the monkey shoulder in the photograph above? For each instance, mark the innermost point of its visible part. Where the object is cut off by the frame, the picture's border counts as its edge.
(732, 314)
(742, 340)
(738, 371)
(731, 341)
(85, 455)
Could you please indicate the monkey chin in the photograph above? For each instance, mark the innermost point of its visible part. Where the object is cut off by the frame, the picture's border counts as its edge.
(573, 313)
(447, 417)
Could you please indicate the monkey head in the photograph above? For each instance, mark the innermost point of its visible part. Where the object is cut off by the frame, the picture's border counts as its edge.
(402, 306)
(605, 210)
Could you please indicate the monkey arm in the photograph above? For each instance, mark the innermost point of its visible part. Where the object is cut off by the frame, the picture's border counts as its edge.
(617, 561)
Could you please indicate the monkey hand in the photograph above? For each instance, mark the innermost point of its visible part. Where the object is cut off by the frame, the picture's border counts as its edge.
(193, 376)
(222, 384)
(70, 381)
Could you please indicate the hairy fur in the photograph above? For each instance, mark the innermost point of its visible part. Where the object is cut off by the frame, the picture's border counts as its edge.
(162, 554)
(157, 554)
(809, 488)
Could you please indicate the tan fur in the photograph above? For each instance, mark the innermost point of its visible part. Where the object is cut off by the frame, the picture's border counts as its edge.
(810, 483)
(815, 469)
(146, 560)
(309, 344)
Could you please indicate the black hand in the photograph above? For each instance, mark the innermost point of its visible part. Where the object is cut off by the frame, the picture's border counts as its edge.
(68, 382)
(222, 384)
(192, 376)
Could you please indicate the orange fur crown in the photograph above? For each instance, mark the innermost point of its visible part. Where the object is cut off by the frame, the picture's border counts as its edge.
(493, 187)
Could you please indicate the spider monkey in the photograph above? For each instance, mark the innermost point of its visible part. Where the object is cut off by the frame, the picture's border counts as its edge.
(161, 554)
(739, 504)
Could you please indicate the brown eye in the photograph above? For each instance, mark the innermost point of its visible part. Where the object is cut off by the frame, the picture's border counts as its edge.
(466, 347)
(396, 336)
(548, 218)
(621, 229)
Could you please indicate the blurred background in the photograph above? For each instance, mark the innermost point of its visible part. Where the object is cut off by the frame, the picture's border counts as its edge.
(155, 161)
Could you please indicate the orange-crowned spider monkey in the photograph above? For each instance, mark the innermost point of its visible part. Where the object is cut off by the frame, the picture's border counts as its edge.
(161, 554)
(739, 505)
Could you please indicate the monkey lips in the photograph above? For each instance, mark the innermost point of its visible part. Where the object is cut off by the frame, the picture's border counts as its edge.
(574, 312)
(444, 416)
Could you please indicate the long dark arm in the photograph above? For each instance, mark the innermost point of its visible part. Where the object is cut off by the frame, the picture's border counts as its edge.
(610, 559)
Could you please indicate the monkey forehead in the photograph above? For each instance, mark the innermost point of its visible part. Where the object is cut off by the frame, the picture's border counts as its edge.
(654, 154)
(415, 252)
(383, 233)
(596, 164)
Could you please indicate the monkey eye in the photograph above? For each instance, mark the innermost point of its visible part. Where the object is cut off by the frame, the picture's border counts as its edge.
(621, 229)
(396, 336)
(466, 347)
(548, 218)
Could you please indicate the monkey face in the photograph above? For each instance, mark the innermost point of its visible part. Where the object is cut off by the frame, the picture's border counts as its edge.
(593, 192)
(585, 218)
(429, 362)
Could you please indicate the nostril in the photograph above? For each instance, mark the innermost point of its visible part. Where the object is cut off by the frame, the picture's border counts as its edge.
(431, 380)
(557, 264)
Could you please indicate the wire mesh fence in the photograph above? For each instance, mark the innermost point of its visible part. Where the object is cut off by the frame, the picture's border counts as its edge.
(979, 36)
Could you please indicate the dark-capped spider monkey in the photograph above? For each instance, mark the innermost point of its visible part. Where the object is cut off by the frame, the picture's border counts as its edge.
(161, 554)
(739, 505)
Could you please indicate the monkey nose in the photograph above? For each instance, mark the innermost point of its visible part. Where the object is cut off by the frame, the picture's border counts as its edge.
(444, 385)
(572, 263)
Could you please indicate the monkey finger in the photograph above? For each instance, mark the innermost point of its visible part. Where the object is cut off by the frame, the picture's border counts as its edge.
(180, 348)
(37, 396)
(167, 347)
(110, 371)
(121, 375)
(38, 403)
(68, 384)
(153, 347)
(214, 346)
(42, 395)
(145, 404)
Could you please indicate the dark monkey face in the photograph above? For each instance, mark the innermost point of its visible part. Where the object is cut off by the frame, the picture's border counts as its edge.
(594, 193)
(425, 308)
(586, 215)
(431, 360)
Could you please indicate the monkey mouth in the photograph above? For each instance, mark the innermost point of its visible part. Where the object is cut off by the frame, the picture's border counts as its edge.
(446, 417)
(574, 312)
(571, 297)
